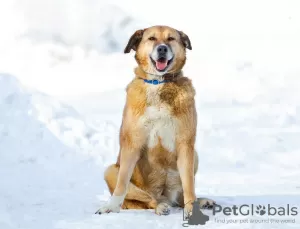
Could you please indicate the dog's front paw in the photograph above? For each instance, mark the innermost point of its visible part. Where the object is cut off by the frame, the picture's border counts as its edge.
(113, 205)
(107, 208)
(162, 209)
(188, 209)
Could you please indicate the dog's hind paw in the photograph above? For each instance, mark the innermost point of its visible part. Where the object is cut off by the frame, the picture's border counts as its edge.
(206, 203)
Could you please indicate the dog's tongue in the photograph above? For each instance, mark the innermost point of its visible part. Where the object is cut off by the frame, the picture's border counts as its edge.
(161, 65)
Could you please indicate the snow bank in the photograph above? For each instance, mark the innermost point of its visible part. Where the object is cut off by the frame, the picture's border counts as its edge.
(51, 161)
(35, 112)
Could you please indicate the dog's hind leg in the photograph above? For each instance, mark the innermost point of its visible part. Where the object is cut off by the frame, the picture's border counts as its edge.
(136, 198)
(133, 204)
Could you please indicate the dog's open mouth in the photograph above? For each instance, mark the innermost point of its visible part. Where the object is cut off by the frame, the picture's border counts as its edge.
(161, 64)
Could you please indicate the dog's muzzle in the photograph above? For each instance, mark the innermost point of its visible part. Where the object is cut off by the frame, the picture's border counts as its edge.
(161, 57)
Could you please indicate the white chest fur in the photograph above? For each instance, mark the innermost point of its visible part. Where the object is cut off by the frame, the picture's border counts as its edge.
(158, 122)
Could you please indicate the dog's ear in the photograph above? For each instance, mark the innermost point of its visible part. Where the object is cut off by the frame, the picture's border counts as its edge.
(134, 40)
(185, 40)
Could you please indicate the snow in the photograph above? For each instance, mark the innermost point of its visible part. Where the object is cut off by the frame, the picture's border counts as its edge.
(62, 81)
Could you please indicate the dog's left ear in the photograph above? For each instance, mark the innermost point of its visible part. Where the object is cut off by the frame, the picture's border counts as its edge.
(185, 40)
(134, 41)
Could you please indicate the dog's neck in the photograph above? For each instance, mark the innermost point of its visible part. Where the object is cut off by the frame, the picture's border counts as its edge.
(140, 73)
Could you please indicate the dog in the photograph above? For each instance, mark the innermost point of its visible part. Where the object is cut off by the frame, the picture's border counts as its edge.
(157, 162)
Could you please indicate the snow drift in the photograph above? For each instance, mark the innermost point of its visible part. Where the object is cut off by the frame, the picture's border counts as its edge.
(28, 116)
(48, 155)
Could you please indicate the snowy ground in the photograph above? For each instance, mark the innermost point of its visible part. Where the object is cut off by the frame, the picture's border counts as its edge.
(62, 95)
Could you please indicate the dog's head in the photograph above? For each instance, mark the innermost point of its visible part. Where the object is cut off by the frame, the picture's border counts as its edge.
(159, 49)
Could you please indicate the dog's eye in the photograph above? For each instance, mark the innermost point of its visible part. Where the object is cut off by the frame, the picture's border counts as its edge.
(171, 38)
(152, 38)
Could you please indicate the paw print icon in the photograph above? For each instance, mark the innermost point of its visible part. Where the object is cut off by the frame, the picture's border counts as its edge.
(261, 210)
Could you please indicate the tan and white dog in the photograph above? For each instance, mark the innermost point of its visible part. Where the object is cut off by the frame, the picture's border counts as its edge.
(157, 161)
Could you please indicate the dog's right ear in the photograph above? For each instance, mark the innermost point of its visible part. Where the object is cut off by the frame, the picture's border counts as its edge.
(134, 41)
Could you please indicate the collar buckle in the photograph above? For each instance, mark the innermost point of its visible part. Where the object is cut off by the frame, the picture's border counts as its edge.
(155, 82)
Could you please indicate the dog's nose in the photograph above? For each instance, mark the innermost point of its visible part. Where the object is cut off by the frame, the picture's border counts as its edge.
(162, 50)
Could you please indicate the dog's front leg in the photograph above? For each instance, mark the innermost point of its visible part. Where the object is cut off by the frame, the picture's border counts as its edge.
(131, 143)
(185, 144)
(128, 161)
(185, 164)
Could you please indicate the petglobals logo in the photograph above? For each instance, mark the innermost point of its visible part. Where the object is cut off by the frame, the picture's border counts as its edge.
(251, 210)
(246, 214)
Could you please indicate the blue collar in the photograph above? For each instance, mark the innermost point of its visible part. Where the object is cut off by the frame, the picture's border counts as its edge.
(156, 82)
